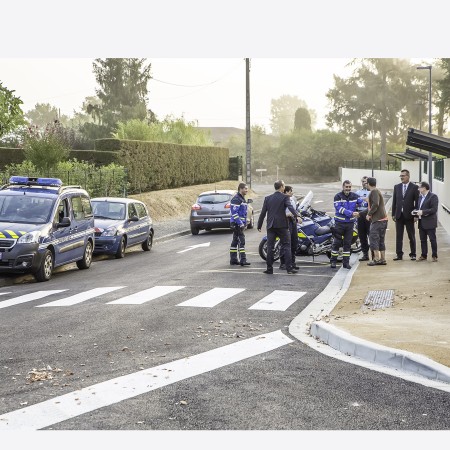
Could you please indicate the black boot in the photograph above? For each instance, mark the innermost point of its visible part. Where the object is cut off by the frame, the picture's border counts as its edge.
(245, 263)
(364, 257)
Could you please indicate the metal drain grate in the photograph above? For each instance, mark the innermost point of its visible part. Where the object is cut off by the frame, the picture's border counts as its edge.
(379, 299)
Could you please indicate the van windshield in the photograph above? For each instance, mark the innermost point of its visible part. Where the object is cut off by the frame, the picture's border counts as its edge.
(25, 209)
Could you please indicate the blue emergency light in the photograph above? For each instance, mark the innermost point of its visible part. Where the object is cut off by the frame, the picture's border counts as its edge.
(34, 181)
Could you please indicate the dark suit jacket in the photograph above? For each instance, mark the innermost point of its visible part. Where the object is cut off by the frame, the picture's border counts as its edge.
(408, 203)
(429, 209)
(275, 207)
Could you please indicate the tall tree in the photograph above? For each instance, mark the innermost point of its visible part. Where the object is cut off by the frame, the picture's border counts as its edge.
(381, 93)
(123, 90)
(444, 96)
(302, 120)
(43, 114)
(282, 112)
(11, 114)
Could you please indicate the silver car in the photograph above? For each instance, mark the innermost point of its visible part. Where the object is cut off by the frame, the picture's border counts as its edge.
(212, 210)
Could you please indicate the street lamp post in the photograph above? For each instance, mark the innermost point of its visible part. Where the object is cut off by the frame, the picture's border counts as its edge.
(430, 154)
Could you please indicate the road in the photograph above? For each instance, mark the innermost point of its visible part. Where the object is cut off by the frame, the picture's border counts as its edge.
(177, 339)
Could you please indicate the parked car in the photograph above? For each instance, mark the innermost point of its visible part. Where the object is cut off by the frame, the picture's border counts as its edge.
(121, 223)
(212, 210)
(43, 225)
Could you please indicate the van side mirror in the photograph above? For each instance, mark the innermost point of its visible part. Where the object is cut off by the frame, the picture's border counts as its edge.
(65, 222)
(250, 200)
(133, 219)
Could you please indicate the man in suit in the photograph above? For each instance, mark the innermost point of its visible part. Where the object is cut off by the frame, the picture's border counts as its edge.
(427, 207)
(277, 225)
(404, 201)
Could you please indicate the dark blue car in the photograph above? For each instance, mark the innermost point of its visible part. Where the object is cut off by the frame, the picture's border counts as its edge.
(121, 223)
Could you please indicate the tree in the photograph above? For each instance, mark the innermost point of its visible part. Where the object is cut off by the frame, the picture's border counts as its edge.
(384, 92)
(43, 114)
(302, 120)
(123, 90)
(45, 149)
(11, 114)
(444, 96)
(282, 112)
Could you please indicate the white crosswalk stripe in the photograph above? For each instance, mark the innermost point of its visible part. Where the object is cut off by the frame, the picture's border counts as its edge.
(29, 297)
(212, 298)
(278, 300)
(145, 296)
(81, 297)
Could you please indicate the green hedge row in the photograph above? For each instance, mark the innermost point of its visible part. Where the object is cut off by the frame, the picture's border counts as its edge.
(10, 156)
(157, 165)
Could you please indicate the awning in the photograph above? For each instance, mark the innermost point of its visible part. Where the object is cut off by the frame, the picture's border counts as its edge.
(429, 142)
(402, 156)
(418, 155)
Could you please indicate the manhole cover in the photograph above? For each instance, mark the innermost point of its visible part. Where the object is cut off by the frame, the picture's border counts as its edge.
(379, 299)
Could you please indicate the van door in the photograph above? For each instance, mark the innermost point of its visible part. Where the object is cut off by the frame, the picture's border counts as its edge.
(82, 225)
(62, 237)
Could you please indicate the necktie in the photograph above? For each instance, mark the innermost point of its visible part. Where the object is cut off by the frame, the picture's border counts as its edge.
(404, 189)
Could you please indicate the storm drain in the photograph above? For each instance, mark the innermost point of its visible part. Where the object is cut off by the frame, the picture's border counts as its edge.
(379, 299)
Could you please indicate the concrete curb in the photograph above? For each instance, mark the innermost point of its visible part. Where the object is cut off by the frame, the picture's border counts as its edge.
(309, 328)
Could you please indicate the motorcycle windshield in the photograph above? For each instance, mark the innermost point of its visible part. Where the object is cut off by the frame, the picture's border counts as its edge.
(306, 202)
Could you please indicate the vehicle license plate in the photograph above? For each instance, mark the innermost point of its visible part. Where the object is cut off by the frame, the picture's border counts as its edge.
(213, 219)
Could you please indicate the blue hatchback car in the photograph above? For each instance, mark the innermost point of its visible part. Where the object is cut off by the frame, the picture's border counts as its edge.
(121, 223)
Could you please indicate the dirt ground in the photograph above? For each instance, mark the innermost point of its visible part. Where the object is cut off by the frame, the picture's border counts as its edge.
(176, 203)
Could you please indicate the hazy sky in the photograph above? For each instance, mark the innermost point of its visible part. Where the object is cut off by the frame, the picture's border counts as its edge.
(209, 90)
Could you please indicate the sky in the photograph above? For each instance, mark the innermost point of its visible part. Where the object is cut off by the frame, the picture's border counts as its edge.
(208, 90)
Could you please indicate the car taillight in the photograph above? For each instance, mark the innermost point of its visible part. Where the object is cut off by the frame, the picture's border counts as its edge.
(228, 205)
(196, 207)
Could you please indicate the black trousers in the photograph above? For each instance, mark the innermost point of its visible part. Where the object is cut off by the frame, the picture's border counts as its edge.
(342, 230)
(237, 246)
(431, 233)
(285, 241)
(400, 224)
(363, 232)
(293, 233)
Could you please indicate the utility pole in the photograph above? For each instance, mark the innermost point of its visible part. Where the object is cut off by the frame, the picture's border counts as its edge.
(248, 178)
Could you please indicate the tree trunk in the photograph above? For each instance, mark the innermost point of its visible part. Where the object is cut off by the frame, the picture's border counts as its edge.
(383, 139)
(440, 119)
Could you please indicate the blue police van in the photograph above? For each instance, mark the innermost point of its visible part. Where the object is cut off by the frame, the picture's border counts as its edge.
(43, 225)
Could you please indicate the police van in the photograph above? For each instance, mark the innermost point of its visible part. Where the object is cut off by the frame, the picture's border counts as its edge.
(43, 225)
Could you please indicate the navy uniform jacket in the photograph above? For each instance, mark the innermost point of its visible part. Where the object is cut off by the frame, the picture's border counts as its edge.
(275, 207)
(428, 219)
(345, 206)
(238, 207)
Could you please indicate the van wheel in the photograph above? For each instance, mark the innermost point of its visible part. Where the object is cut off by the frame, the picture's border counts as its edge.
(251, 223)
(121, 250)
(194, 230)
(85, 263)
(44, 273)
(148, 243)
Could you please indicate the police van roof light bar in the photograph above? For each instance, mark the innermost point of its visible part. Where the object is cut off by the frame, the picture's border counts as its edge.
(34, 181)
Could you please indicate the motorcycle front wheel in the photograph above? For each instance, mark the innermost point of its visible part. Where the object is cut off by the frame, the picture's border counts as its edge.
(263, 250)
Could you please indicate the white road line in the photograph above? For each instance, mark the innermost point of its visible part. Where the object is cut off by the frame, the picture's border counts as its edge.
(5, 293)
(211, 298)
(81, 297)
(146, 295)
(278, 300)
(29, 297)
(260, 272)
(99, 395)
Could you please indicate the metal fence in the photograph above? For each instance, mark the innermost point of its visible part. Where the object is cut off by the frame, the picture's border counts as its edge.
(439, 169)
(98, 183)
(366, 164)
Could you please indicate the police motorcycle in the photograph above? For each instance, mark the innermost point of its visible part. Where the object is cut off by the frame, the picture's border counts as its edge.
(315, 234)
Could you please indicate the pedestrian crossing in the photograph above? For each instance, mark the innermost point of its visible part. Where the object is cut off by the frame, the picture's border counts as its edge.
(278, 300)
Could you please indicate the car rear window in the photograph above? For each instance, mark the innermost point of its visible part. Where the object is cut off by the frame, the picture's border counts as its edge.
(213, 199)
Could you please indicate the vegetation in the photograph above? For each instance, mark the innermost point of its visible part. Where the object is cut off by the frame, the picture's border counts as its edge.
(11, 114)
(174, 130)
(45, 149)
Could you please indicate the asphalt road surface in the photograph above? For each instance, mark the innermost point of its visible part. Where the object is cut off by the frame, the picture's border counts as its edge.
(177, 339)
